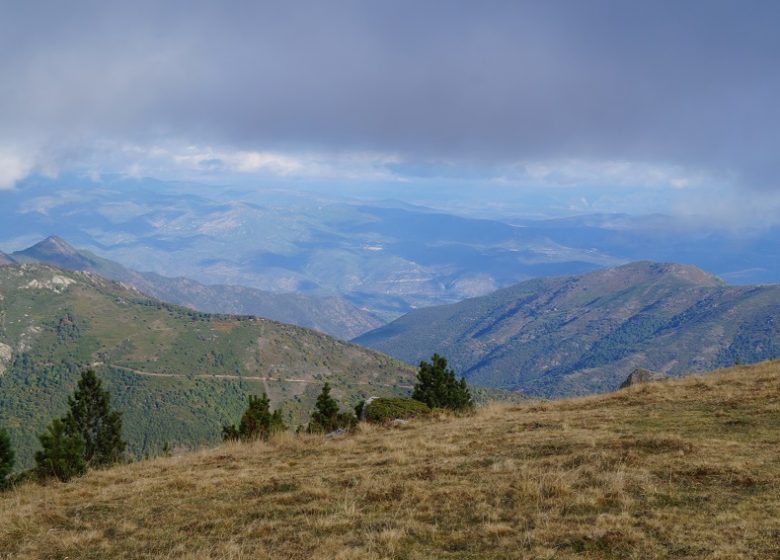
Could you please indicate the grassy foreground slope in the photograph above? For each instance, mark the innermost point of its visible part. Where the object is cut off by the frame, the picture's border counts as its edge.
(684, 469)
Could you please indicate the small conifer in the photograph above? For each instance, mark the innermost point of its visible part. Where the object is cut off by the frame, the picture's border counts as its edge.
(62, 455)
(90, 416)
(326, 416)
(438, 387)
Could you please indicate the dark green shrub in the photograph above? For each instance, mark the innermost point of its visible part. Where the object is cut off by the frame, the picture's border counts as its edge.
(258, 422)
(326, 417)
(386, 410)
(62, 455)
(230, 433)
(359, 408)
(6, 458)
(438, 388)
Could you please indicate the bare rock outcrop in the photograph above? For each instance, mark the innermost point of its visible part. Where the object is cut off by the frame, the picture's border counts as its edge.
(640, 375)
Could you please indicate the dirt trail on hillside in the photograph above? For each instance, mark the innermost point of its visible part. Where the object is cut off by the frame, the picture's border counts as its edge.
(227, 376)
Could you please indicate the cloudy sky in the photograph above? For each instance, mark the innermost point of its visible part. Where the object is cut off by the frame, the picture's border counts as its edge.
(677, 99)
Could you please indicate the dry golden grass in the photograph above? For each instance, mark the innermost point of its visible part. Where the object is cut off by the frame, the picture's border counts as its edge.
(685, 469)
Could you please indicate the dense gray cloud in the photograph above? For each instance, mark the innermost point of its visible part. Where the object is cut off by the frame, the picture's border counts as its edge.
(679, 83)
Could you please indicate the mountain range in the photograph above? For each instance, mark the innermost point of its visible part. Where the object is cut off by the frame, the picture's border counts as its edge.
(177, 374)
(579, 334)
(332, 315)
(383, 256)
(387, 257)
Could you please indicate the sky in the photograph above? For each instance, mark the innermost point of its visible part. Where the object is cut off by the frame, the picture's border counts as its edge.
(623, 106)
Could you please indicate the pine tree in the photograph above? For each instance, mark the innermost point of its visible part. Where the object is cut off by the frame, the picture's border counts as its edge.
(326, 416)
(257, 422)
(62, 455)
(6, 458)
(90, 416)
(438, 387)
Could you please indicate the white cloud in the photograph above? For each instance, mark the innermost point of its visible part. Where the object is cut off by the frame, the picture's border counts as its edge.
(206, 161)
(13, 168)
(609, 173)
(174, 160)
(206, 158)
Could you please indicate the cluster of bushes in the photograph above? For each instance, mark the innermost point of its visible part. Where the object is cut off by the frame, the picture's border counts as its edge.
(258, 422)
(437, 387)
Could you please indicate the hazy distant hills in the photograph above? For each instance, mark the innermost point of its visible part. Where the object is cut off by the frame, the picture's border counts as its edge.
(177, 374)
(385, 257)
(382, 256)
(579, 334)
(331, 315)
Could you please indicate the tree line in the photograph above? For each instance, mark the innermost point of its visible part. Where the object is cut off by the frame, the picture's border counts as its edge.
(90, 433)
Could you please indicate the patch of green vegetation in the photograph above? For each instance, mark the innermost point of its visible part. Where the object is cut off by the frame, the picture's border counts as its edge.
(177, 375)
(387, 409)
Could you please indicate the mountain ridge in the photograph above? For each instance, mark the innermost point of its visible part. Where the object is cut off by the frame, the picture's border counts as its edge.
(329, 314)
(569, 335)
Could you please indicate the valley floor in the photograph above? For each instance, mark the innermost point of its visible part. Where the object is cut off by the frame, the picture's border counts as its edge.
(683, 469)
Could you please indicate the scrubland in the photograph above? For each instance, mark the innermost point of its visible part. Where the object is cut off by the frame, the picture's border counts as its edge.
(680, 469)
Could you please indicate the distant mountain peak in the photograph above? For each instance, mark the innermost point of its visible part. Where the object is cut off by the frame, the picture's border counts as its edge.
(335, 316)
(55, 250)
(54, 245)
(649, 271)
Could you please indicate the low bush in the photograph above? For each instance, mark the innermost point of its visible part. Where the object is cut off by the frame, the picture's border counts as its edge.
(388, 409)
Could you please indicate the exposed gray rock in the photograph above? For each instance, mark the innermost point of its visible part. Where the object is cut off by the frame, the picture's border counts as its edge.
(640, 375)
(367, 402)
(6, 354)
(341, 432)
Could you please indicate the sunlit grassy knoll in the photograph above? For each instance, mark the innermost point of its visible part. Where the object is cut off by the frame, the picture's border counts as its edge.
(684, 469)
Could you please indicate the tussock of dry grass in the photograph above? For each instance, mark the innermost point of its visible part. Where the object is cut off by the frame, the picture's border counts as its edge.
(686, 469)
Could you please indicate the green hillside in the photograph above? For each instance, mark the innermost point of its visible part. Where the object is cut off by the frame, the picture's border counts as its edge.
(177, 374)
(329, 314)
(580, 334)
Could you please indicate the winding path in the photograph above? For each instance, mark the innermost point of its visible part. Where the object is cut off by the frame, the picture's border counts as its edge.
(227, 376)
